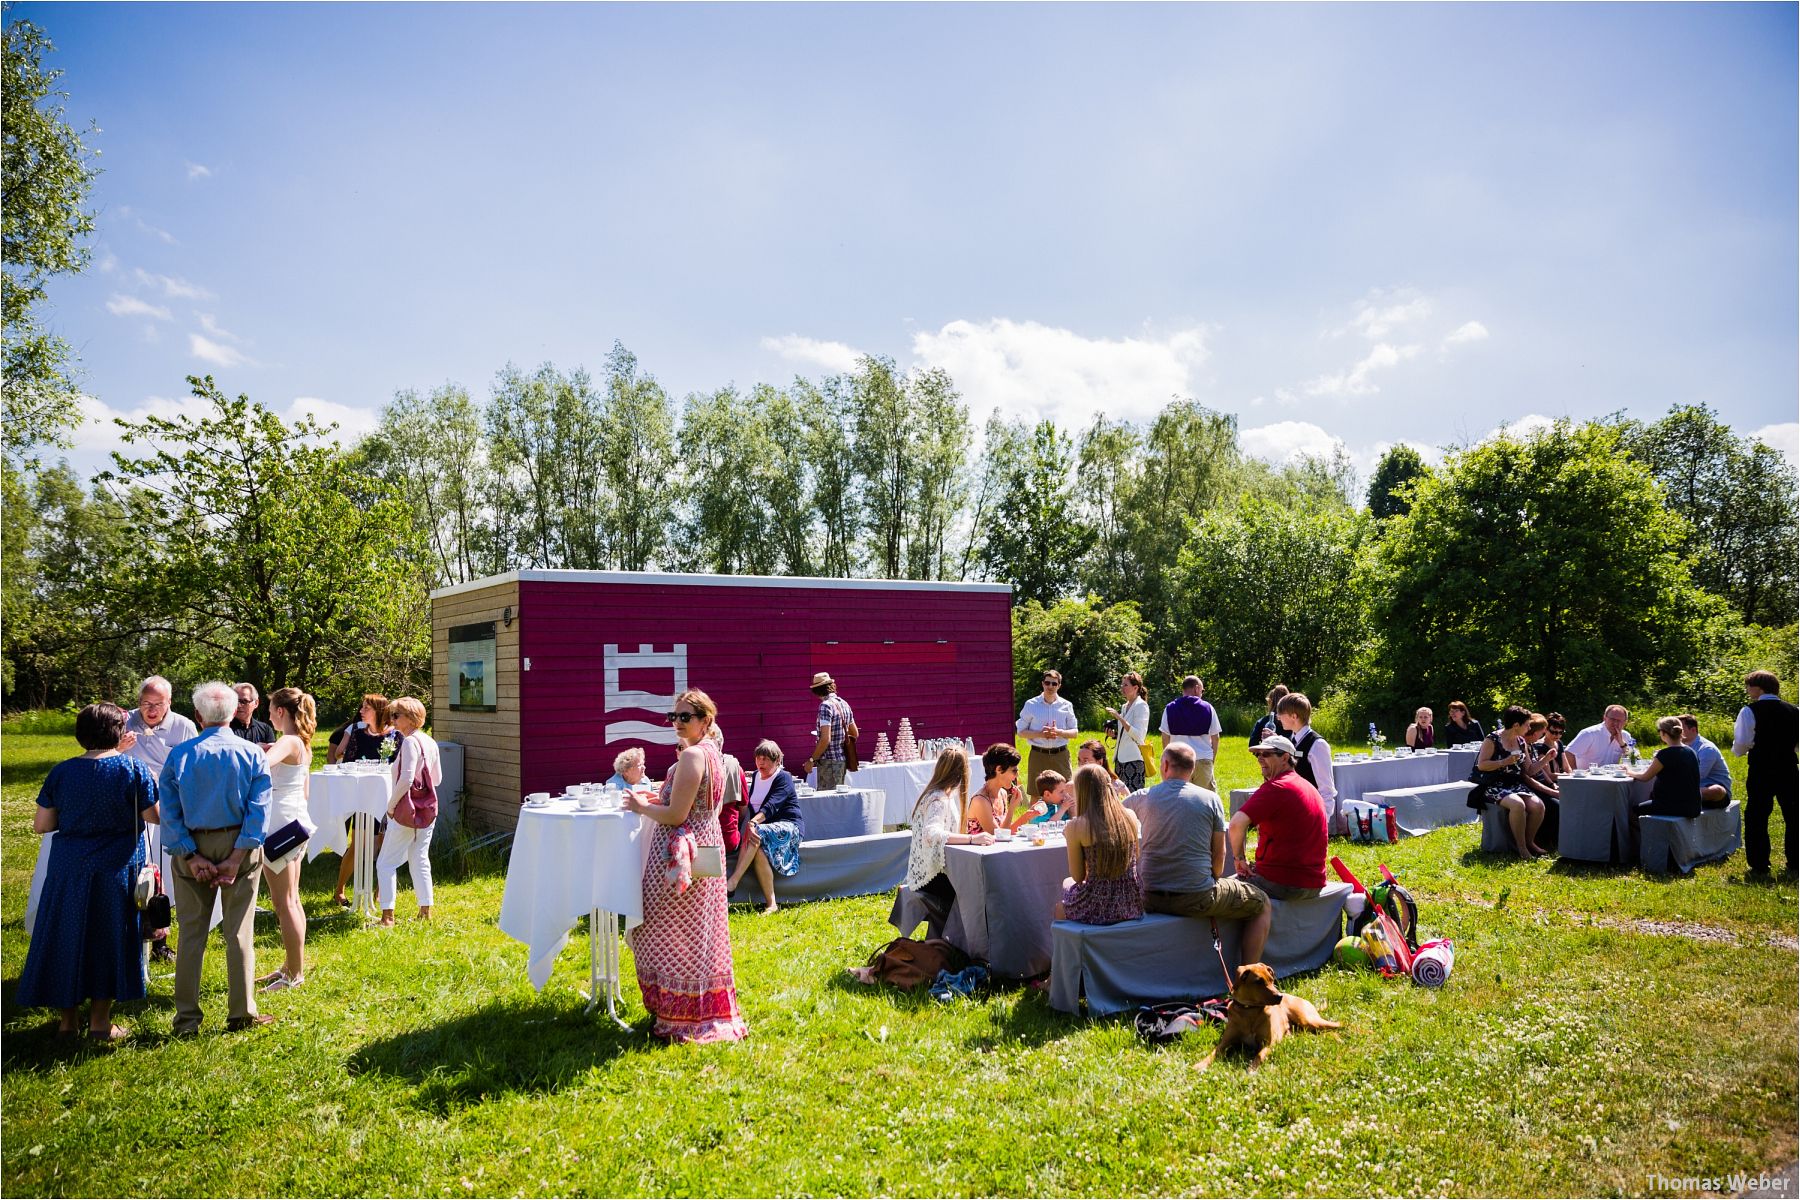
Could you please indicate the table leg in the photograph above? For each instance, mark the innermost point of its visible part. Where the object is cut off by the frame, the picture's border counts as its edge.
(603, 963)
(363, 871)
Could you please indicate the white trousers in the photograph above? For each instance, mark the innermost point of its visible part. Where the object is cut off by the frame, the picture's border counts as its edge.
(409, 846)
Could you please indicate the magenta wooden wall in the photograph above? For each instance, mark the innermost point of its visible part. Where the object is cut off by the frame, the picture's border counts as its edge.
(942, 658)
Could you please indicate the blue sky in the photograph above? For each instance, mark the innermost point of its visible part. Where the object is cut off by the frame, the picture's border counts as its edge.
(1368, 224)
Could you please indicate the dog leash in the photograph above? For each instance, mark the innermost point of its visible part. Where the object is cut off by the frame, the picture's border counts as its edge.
(1219, 950)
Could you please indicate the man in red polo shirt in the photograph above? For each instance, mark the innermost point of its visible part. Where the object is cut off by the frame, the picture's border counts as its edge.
(1289, 818)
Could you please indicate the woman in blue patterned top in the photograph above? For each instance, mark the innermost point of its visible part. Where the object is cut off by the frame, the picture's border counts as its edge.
(86, 943)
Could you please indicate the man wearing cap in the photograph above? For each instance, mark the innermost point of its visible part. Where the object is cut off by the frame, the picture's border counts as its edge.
(1048, 722)
(1291, 829)
(835, 723)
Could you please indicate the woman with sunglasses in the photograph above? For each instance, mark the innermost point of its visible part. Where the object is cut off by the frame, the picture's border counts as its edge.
(683, 948)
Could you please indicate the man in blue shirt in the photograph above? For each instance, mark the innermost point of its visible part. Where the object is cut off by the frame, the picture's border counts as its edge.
(214, 803)
(1715, 776)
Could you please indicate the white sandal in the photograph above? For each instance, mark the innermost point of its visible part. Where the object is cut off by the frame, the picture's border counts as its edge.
(281, 983)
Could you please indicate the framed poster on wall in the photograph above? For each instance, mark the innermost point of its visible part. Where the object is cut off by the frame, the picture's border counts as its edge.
(474, 682)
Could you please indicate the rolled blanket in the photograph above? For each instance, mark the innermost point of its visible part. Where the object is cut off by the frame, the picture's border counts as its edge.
(1431, 966)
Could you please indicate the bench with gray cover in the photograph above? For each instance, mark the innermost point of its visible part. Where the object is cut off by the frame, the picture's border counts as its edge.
(831, 868)
(1419, 810)
(1686, 842)
(1496, 836)
(1158, 957)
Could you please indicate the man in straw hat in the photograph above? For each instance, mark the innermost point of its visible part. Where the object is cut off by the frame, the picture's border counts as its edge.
(835, 723)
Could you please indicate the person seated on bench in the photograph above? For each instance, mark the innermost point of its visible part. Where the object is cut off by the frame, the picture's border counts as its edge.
(1094, 751)
(1501, 774)
(999, 802)
(937, 821)
(1181, 853)
(1102, 887)
(628, 769)
(1542, 772)
(1715, 776)
(1291, 828)
(1420, 735)
(771, 844)
(1676, 770)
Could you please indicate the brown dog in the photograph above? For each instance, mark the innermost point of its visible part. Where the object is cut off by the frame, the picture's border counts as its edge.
(1260, 1015)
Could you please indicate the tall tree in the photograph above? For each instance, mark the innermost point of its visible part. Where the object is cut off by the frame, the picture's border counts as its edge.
(1544, 569)
(825, 411)
(882, 451)
(638, 459)
(547, 430)
(431, 448)
(725, 522)
(1742, 508)
(1397, 471)
(1036, 536)
(1107, 463)
(258, 543)
(45, 175)
(940, 448)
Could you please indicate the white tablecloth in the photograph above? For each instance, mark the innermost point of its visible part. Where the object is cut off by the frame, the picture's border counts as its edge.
(334, 799)
(1595, 820)
(901, 785)
(1353, 779)
(565, 864)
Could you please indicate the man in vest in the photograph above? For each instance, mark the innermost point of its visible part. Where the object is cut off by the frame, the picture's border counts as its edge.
(1312, 753)
(1767, 733)
(1189, 721)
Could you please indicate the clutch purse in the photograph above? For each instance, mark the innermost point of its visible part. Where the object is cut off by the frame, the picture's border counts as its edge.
(709, 862)
(281, 846)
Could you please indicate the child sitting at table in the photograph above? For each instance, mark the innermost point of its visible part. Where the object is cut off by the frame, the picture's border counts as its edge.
(1058, 796)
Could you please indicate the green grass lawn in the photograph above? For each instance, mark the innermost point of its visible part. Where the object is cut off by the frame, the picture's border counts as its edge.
(1600, 1026)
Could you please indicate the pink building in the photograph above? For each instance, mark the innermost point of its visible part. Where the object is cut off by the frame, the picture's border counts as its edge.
(545, 676)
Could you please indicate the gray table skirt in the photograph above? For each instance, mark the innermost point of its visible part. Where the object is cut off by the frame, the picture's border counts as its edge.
(1596, 817)
(1006, 898)
(1160, 957)
(851, 812)
(1419, 811)
(831, 868)
(1682, 843)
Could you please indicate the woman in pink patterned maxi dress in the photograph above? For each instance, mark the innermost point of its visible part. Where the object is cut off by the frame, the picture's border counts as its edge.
(683, 948)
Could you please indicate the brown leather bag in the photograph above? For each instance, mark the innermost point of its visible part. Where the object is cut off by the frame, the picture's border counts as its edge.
(850, 759)
(907, 963)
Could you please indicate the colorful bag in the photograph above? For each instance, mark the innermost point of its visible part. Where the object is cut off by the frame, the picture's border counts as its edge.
(1370, 822)
(418, 808)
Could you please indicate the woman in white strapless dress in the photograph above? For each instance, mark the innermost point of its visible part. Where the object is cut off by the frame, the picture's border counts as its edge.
(294, 716)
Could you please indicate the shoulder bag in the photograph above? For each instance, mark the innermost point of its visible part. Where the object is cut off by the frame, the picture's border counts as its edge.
(418, 808)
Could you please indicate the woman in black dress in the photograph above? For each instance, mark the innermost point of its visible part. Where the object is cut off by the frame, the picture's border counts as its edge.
(1500, 775)
(1676, 770)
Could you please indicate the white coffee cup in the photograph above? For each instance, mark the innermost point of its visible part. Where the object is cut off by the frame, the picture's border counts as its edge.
(538, 798)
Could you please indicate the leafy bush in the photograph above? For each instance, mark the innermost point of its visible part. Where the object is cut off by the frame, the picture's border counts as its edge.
(1090, 642)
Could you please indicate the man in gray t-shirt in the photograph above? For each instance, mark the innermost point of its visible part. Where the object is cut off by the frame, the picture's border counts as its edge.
(1181, 853)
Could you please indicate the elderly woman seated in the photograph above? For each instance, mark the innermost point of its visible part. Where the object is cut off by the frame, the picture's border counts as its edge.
(771, 836)
(628, 769)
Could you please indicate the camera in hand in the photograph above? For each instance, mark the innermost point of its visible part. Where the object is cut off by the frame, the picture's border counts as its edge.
(1111, 726)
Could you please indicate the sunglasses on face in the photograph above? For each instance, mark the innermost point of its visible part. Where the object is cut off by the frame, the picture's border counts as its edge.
(681, 718)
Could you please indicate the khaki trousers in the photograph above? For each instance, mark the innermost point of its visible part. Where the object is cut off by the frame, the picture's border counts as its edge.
(1039, 760)
(1203, 774)
(193, 914)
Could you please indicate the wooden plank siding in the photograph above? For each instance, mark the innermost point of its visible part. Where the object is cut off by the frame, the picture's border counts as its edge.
(942, 658)
(490, 741)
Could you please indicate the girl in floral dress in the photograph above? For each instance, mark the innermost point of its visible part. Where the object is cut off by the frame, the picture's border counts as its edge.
(1102, 887)
(683, 948)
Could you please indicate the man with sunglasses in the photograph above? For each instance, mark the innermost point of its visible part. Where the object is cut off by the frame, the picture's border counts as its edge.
(244, 722)
(1048, 723)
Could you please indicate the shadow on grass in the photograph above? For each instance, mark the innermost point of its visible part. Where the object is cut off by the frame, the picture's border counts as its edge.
(31, 1042)
(499, 1050)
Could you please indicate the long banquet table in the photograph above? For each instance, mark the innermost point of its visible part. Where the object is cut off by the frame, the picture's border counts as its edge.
(1596, 816)
(566, 864)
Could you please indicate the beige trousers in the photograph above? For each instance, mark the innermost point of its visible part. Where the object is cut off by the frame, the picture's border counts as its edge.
(193, 914)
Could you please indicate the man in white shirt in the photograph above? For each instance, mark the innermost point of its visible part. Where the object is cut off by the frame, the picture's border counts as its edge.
(1048, 723)
(152, 729)
(1603, 744)
(1312, 753)
(1190, 721)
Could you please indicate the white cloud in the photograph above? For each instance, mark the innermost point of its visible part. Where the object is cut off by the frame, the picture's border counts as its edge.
(1433, 455)
(1785, 438)
(1355, 380)
(98, 436)
(1383, 312)
(109, 262)
(1523, 429)
(835, 357)
(352, 423)
(212, 326)
(1471, 331)
(175, 289)
(1286, 441)
(207, 350)
(1032, 371)
(131, 306)
(196, 171)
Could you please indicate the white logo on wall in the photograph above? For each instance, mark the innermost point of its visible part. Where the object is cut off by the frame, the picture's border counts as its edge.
(618, 700)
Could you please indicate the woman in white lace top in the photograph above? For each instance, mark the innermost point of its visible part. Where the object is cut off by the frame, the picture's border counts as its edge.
(937, 821)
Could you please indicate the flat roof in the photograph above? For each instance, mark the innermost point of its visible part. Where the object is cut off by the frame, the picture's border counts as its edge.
(681, 580)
